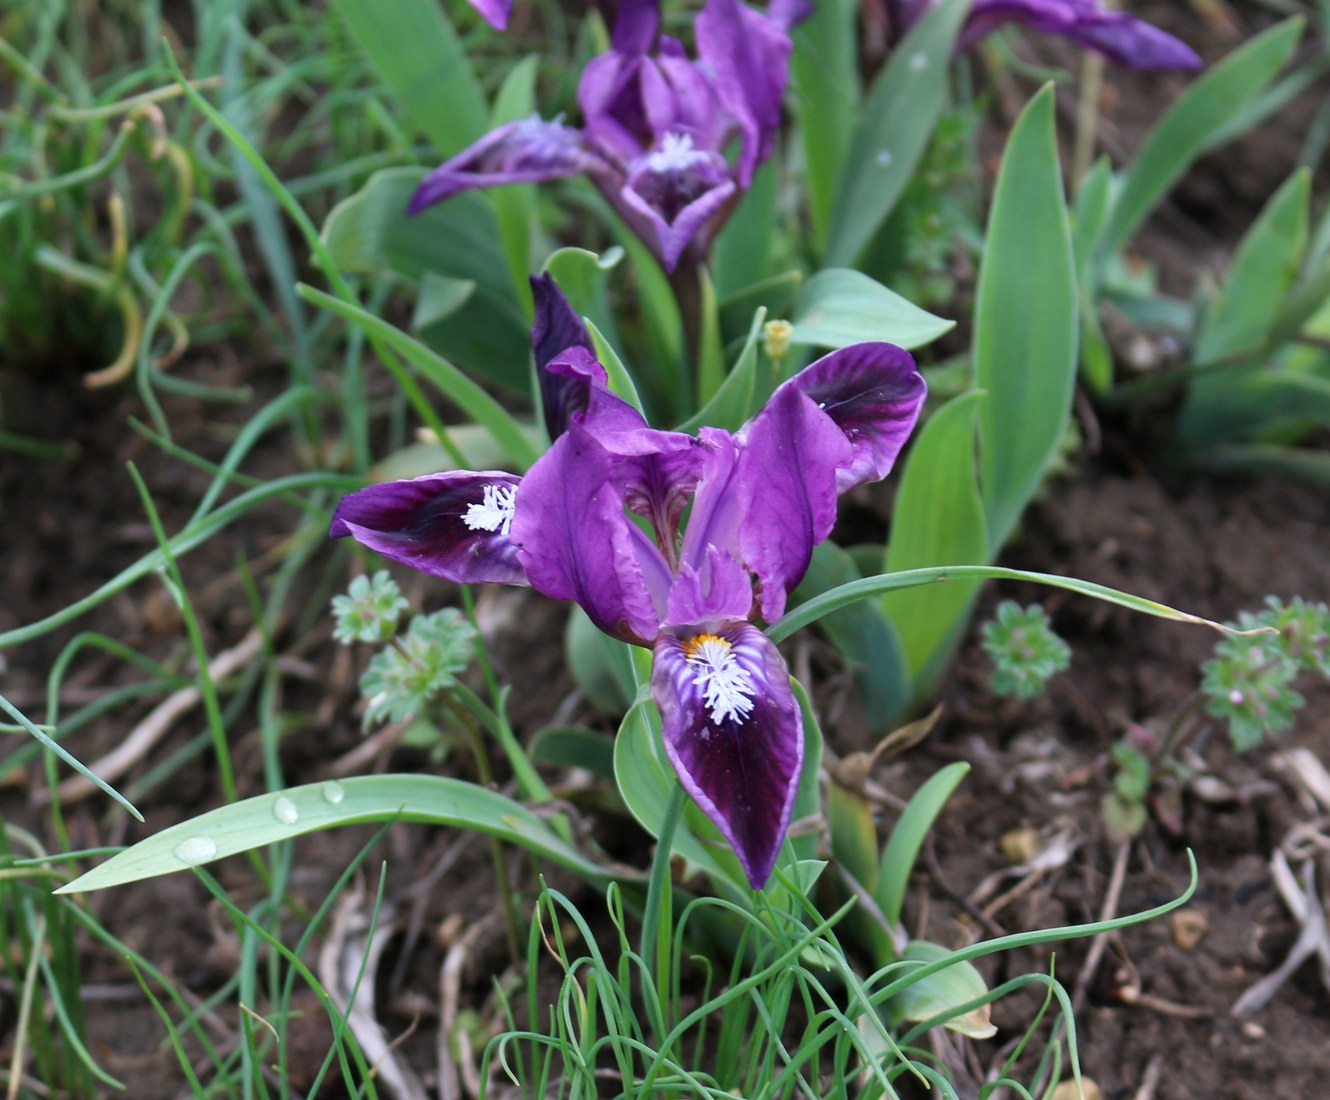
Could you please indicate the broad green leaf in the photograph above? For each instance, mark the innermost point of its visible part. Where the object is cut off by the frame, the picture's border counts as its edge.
(943, 991)
(440, 298)
(741, 254)
(912, 828)
(601, 665)
(284, 815)
(575, 747)
(1266, 262)
(863, 635)
(938, 519)
(370, 233)
(1192, 124)
(808, 799)
(1249, 403)
(839, 307)
(514, 205)
(846, 594)
(893, 131)
(776, 295)
(450, 381)
(825, 89)
(733, 402)
(646, 782)
(1269, 461)
(415, 51)
(1025, 339)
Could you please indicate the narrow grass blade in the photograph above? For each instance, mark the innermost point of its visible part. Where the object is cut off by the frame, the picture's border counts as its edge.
(846, 594)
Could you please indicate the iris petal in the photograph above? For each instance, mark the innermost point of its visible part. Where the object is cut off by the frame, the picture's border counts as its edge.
(578, 544)
(784, 488)
(734, 733)
(873, 394)
(453, 525)
(529, 150)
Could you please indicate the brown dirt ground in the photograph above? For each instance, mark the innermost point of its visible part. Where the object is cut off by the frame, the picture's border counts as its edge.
(1209, 546)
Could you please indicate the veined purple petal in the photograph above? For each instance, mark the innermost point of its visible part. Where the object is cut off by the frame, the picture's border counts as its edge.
(748, 57)
(578, 544)
(874, 394)
(529, 150)
(676, 191)
(495, 12)
(1122, 38)
(558, 329)
(734, 733)
(453, 525)
(717, 591)
(784, 488)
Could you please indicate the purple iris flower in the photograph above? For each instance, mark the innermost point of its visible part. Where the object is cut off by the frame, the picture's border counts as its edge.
(656, 124)
(598, 519)
(1122, 38)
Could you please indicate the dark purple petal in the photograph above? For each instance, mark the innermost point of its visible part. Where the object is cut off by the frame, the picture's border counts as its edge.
(748, 57)
(784, 488)
(453, 525)
(734, 733)
(495, 12)
(578, 543)
(527, 151)
(677, 191)
(635, 26)
(1122, 38)
(874, 394)
(558, 328)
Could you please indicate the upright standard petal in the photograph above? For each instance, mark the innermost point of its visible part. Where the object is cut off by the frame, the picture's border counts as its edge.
(454, 525)
(873, 393)
(784, 488)
(558, 330)
(579, 544)
(675, 192)
(529, 150)
(748, 56)
(734, 733)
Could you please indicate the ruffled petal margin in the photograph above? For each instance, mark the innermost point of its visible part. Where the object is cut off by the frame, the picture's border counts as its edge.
(734, 733)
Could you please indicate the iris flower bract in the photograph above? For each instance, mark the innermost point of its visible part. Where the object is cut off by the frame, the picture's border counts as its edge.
(597, 520)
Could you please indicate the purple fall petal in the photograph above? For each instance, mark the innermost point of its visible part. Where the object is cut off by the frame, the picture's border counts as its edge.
(1122, 38)
(734, 733)
(784, 487)
(454, 525)
(530, 150)
(874, 394)
(578, 544)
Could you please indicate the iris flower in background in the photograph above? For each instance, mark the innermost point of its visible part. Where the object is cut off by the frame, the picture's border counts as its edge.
(656, 124)
(1122, 38)
(597, 520)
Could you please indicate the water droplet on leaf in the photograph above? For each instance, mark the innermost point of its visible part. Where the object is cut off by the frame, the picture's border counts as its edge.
(284, 810)
(333, 792)
(195, 850)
